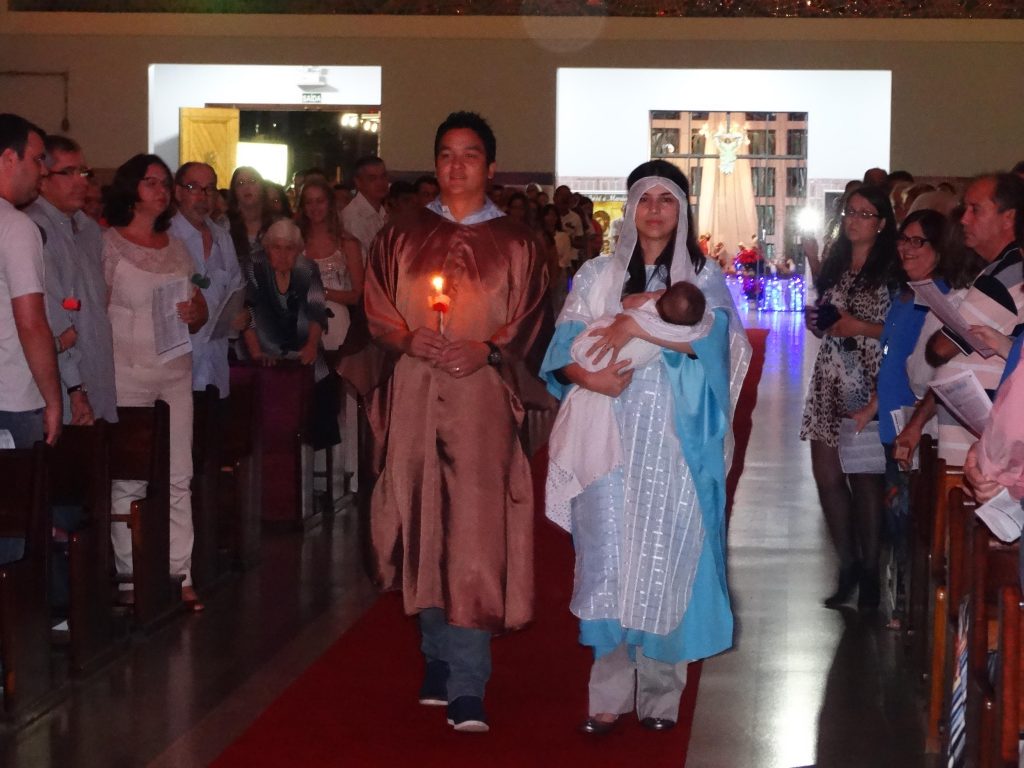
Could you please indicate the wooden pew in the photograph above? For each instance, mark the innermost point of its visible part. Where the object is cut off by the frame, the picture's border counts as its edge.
(240, 490)
(287, 472)
(942, 611)
(207, 430)
(1009, 682)
(80, 475)
(140, 449)
(24, 584)
(922, 511)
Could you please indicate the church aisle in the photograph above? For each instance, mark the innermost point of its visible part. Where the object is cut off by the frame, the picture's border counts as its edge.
(804, 686)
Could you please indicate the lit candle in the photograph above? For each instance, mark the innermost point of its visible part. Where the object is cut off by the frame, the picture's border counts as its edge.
(439, 301)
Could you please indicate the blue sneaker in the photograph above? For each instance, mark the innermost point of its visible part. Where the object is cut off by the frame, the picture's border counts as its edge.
(466, 714)
(434, 691)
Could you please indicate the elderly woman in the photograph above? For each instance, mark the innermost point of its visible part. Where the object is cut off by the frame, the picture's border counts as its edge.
(650, 588)
(286, 300)
(139, 259)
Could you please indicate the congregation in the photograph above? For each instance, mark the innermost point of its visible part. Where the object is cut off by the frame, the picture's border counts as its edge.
(157, 293)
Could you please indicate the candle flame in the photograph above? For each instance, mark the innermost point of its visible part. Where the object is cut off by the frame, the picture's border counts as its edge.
(438, 282)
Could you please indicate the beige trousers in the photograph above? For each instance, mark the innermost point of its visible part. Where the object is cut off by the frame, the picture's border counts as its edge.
(619, 685)
(143, 386)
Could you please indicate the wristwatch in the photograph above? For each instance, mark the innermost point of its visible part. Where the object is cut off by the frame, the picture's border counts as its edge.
(494, 356)
(78, 388)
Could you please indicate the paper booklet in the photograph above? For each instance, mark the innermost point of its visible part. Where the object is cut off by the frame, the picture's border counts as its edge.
(965, 398)
(229, 309)
(861, 453)
(929, 294)
(1003, 516)
(170, 334)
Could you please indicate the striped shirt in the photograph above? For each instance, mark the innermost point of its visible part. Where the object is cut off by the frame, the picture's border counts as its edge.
(995, 299)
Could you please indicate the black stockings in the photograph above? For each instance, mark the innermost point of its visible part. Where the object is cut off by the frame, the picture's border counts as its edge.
(852, 505)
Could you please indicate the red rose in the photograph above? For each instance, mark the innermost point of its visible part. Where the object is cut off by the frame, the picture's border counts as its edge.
(71, 304)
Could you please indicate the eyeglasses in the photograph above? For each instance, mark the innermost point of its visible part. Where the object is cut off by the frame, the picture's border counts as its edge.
(196, 189)
(244, 182)
(72, 170)
(152, 182)
(854, 214)
(913, 242)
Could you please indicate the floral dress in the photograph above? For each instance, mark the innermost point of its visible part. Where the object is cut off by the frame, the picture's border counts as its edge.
(846, 368)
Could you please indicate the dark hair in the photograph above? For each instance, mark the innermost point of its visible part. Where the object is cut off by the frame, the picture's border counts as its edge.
(895, 176)
(473, 122)
(55, 143)
(239, 234)
(1018, 167)
(880, 268)
(966, 264)
(636, 281)
(1009, 195)
(399, 189)
(186, 167)
(363, 162)
(956, 265)
(123, 193)
(425, 179)
(332, 210)
(282, 195)
(14, 131)
(517, 196)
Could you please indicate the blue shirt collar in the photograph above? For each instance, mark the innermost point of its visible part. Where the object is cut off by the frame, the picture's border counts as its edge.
(486, 213)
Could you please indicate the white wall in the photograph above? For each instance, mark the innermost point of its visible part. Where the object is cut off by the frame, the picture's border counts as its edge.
(603, 115)
(172, 86)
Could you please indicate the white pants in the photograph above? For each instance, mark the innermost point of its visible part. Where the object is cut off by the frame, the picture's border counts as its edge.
(143, 387)
(619, 684)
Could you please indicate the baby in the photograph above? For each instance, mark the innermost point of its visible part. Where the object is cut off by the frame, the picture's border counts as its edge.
(585, 443)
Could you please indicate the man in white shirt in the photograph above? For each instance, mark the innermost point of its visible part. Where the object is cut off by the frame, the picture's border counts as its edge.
(366, 215)
(215, 261)
(572, 224)
(30, 397)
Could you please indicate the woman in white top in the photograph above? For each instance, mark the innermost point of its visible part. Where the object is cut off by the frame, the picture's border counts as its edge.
(139, 257)
(338, 256)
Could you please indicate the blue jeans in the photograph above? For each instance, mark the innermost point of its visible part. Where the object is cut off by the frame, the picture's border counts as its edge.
(26, 427)
(466, 651)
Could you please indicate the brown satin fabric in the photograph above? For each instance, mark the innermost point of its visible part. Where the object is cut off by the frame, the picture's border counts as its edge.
(452, 509)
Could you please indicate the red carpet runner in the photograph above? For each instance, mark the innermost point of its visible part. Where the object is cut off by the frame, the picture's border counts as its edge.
(356, 705)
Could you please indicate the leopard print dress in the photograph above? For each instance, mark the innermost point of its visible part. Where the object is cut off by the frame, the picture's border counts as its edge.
(846, 369)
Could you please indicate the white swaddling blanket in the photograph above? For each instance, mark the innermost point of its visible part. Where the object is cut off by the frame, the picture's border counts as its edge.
(585, 443)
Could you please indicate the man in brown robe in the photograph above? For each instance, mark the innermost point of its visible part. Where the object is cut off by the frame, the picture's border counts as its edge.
(452, 510)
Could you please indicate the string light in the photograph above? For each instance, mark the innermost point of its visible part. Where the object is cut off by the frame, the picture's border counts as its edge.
(837, 9)
(773, 294)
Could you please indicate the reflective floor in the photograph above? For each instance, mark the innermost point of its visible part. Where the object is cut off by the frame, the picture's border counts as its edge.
(804, 685)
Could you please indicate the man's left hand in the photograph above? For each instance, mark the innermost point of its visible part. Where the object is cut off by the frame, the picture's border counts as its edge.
(81, 409)
(462, 358)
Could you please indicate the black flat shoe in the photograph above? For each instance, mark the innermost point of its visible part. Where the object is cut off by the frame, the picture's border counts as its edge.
(848, 580)
(597, 727)
(657, 723)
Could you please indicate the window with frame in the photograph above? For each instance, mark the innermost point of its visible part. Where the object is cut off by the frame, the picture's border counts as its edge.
(762, 142)
(763, 180)
(796, 142)
(796, 182)
(766, 219)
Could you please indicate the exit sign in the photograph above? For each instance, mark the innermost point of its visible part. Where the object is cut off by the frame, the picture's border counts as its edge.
(312, 98)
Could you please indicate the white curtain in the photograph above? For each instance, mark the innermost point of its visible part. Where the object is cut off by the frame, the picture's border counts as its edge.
(726, 200)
